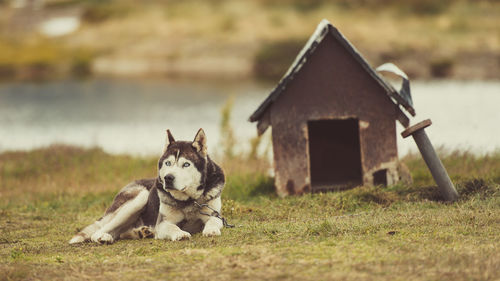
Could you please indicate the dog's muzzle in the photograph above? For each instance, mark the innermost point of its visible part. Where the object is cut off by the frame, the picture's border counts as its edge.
(169, 181)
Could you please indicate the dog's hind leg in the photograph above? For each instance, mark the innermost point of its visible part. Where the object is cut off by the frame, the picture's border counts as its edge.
(140, 232)
(84, 235)
(119, 216)
(122, 218)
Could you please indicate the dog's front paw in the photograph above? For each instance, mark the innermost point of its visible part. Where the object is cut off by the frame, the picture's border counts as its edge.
(102, 238)
(180, 235)
(173, 235)
(211, 231)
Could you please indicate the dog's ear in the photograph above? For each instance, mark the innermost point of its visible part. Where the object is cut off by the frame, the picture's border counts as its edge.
(200, 142)
(169, 140)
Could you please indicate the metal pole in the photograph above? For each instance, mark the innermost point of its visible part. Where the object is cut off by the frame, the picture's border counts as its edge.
(433, 162)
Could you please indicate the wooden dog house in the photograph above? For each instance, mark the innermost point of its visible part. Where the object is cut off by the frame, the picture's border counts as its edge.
(333, 119)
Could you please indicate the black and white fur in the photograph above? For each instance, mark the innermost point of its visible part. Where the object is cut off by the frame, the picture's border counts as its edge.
(164, 207)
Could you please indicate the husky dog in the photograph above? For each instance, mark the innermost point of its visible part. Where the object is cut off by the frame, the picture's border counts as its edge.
(180, 201)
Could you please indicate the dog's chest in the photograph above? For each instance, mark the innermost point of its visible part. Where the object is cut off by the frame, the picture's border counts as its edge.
(191, 212)
(192, 221)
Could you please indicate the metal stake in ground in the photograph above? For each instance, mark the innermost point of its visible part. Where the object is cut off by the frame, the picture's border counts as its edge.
(433, 162)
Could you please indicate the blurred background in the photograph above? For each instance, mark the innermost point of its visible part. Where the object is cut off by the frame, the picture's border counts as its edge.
(116, 74)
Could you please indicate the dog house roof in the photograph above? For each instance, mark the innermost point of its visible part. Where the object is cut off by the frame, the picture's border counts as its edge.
(324, 28)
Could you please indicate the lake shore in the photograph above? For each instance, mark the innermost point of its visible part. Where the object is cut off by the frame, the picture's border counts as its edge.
(226, 39)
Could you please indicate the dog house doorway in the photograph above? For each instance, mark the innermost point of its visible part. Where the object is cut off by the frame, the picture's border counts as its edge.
(335, 154)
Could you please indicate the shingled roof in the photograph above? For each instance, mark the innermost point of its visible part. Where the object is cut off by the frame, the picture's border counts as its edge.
(401, 98)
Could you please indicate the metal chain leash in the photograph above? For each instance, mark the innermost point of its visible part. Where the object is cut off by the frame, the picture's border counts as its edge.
(215, 213)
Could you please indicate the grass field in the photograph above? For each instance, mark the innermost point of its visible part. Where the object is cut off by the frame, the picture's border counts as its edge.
(394, 233)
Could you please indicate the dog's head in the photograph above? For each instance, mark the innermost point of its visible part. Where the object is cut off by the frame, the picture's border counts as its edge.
(182, 167)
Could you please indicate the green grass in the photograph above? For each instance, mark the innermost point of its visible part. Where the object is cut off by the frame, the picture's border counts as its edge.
(394, 233)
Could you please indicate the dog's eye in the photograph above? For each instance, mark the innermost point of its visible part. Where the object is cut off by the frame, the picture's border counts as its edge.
(185, 165)
(168, 163)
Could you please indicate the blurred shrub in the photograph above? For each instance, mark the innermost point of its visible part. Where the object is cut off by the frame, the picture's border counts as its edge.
(247, 175)
(27, 60)
(242, 186)
(100, 12)
(28, 53)
(299, 4)
(307, 5)
(37, 71)
(273, 59)
(461, 166)
(424, 7)
(409, 6)
(441, 67)
(42, 59)
(228, 140)
(7, 71)
(81, 63)
(254, 147)
(81, 67)
(228, 23)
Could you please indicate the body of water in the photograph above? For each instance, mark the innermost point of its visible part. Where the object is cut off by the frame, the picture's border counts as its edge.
(131, 116)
